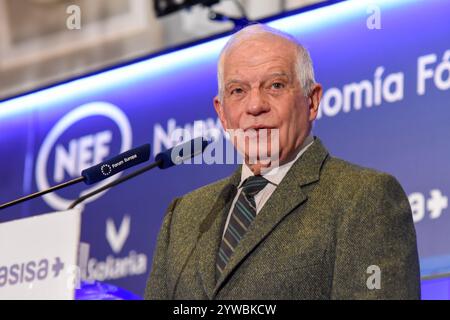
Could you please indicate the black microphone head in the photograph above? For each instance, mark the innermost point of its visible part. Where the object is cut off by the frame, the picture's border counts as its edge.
(180, 153)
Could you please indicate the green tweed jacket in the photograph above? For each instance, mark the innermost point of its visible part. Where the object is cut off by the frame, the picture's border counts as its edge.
(330, 230)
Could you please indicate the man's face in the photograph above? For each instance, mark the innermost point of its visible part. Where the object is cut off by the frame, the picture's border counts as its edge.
(262, 91)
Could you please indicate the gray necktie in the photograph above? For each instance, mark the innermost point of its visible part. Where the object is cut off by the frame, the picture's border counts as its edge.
(243, 214)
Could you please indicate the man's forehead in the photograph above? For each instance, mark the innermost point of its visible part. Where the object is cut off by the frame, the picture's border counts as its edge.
(253, 51)
(267, 40)
(259, 57)
(261, 69)
(241, 77)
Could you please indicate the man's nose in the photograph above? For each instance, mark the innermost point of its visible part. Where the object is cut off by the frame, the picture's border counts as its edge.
(257, 103)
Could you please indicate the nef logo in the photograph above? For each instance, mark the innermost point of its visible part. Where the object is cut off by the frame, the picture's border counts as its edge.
(82, 138)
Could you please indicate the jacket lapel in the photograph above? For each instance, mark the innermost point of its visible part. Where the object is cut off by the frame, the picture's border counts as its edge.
(209, 241)
(286, 197)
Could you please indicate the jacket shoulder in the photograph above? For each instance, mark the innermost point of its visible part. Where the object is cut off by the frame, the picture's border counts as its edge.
(349, 173)
(349, 181)
(201, 199)
(212, 189)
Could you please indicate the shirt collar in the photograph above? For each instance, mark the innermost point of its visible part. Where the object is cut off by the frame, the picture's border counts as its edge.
(277, 174)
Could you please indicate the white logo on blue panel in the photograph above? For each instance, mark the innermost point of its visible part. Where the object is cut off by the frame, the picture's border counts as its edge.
(80, 152)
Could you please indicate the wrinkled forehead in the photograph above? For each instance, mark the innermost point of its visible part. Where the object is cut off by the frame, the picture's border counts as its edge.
(268, 42)
(259, 51)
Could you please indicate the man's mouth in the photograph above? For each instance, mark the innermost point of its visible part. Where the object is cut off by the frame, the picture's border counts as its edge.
(259, 127)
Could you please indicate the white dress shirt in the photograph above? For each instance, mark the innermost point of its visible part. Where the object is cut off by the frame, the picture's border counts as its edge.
(274, 176)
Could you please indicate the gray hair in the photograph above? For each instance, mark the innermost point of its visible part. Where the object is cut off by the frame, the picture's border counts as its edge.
(304, 65)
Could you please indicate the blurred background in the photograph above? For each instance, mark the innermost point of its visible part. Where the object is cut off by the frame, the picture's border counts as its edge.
(82, 81)
(37, 49)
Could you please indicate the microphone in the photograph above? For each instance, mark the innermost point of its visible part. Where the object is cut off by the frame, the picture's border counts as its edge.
(116, 164)
(180, 153)
(96, 173)
(166, 159)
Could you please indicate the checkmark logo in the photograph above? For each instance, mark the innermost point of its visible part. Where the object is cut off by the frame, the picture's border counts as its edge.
(116, 238)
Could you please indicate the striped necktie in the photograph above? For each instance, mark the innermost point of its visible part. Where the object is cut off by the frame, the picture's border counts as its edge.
(244, 212)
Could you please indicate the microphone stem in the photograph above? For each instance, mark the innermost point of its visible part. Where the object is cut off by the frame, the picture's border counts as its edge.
(40, 193)
(115, 182)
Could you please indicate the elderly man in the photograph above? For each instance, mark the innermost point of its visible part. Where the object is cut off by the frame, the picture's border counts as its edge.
(316, 228)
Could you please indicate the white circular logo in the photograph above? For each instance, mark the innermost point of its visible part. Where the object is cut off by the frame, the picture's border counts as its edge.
(106, 169)
(91, 109)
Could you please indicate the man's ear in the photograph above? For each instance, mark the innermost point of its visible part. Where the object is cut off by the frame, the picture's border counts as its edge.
(314, 101)
(219, 109)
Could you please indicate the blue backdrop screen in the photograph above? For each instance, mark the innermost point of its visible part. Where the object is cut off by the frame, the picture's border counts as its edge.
(385, 106)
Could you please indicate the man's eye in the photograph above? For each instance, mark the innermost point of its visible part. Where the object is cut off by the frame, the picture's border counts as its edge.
(277, 85)
(237, 91)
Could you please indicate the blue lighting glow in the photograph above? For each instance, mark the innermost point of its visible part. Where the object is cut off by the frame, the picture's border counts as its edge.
(124, 76)
(334, 14)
